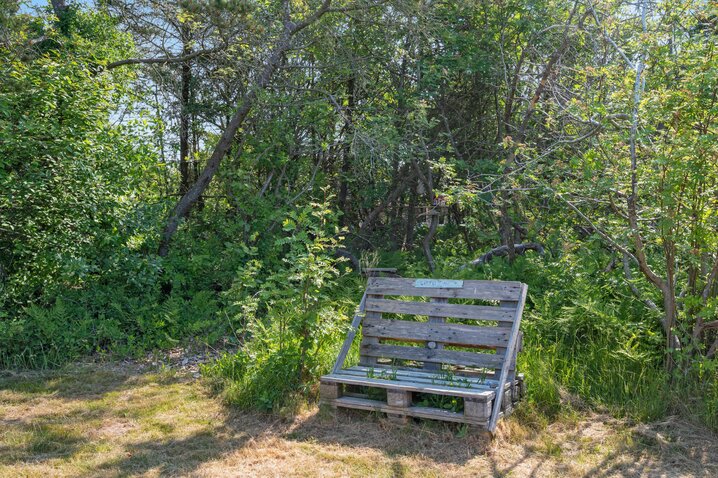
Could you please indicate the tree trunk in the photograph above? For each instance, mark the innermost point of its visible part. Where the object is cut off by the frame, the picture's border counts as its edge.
(225, 141)
(184, 132)
(346, 153)
(403, 179)
(506, 196)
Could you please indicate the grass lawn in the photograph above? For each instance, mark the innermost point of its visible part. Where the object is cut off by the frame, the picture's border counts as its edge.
(107, 420)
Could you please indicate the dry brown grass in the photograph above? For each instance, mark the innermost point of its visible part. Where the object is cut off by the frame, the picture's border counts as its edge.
(103, 421)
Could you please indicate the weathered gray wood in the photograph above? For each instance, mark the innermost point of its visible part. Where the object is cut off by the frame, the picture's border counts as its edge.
(426, 377)
(360, 370)
(420, 354)
(459, 371)
(419, 412)
(451, 334)
(457, 311)
(519, 347)
(473, 289)
(330, 390)
(509, 305)
(434, 343)
(477, 409)
(409, 386)
(503, 376)
(351, 335)
(522, 385)
(485, 381)
(366, 340)
(398, 399)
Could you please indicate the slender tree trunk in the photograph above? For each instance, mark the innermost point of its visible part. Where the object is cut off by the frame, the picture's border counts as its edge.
(403, 179)
(346, 152)
(506, 195)
(184, 132)
(245, 106)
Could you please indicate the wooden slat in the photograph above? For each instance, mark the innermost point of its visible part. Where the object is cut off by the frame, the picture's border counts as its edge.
(452, 334)
(437, 343)
(510, 305)
(457, 311)
(473, 289)
(364, 359)
(351, 334)
(409, 386)
(425, 378)
(419, 412)
(421, 354)
(414, 371)
(504, 372)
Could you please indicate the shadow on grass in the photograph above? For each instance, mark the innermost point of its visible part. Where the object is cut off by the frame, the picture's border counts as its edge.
(186, 455)
(175, 435)
(673, 447)
(438, 441)
(174, 457)
(78, 382)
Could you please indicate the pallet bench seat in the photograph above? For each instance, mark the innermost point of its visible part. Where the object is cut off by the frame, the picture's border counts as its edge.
(415, 344)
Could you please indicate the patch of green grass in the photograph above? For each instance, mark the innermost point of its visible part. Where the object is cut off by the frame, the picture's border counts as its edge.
(548, 446)
(52, 439)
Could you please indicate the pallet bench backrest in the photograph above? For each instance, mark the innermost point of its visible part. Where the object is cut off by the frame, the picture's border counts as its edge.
(482, 332)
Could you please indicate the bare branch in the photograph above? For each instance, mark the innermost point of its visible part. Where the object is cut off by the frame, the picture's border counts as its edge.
(163, 60)
(629, 279)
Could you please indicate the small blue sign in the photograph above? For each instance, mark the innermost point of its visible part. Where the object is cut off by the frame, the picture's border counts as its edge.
(438, 284)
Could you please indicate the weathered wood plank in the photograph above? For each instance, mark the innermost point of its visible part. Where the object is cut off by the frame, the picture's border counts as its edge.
(365, 359)
(451, 334)
(452, 357)
(435, 343)
(417, 372)
(490, 396)
(510, 305)
(409, 386)
(419, 412)
(473, 289)
(351, 335)
(459, 371)
(504, 372)
(427, 378)
(457, 311)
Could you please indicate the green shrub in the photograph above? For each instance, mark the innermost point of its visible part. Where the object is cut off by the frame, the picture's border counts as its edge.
(291, 322)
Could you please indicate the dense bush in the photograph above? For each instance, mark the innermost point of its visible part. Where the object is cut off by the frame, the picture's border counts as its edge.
(291, 317)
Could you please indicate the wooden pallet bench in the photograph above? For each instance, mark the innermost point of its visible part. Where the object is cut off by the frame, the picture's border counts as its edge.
(433, 341)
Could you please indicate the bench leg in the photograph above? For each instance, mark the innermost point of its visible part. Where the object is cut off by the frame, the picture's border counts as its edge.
(399, 399)
(506, 403)
(330, 391)
(477, 409)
